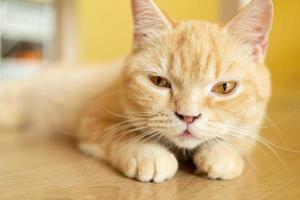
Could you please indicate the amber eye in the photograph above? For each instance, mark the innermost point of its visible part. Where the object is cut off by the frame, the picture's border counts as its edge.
(160, 82)
(224, 87)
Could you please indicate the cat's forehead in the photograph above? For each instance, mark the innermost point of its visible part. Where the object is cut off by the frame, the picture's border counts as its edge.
(192, 51)
(195, 49)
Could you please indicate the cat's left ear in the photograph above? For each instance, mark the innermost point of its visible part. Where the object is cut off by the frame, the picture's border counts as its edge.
(252, 25)
(148, 19)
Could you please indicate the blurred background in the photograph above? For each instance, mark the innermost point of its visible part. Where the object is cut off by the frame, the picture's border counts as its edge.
(37, 33)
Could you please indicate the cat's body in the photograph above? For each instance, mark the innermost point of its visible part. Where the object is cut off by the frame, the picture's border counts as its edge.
(192, 86)
(54, 100)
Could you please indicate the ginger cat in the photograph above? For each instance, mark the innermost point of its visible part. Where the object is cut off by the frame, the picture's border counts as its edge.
(187, 86)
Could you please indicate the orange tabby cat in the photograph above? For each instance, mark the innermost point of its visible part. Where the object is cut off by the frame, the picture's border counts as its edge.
(187, 86)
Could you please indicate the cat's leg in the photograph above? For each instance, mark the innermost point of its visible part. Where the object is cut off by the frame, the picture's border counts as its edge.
(143, 161)
(218, 160)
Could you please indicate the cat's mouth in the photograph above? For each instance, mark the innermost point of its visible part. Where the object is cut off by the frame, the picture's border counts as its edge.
(186, 134)
(186, 139)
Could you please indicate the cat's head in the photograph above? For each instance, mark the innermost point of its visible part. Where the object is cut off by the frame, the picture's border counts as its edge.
(192, 81)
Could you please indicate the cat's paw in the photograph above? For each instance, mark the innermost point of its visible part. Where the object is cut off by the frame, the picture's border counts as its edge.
(219, 162)
(147, 163)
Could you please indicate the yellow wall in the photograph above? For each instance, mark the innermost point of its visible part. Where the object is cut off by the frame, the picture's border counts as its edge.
(284, 50)
(105, 29)
(105, 26)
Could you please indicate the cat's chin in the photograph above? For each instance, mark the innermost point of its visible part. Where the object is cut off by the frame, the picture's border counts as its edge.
(187, 143)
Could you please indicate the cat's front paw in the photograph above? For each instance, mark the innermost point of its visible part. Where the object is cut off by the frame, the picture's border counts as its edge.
(147, 163)
(219, 161)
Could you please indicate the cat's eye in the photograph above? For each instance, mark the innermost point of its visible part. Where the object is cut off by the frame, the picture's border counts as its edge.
(224, 88)
(160, 82)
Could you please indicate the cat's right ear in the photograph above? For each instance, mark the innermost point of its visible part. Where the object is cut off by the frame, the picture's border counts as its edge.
(252, 25)
(149, 20)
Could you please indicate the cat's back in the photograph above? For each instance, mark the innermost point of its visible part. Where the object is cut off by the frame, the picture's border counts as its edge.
(54, 99)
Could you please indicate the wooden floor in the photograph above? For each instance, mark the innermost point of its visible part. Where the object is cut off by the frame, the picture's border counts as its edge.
(48, 167)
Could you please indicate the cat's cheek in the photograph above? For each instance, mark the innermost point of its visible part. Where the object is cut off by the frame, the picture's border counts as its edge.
(203, 128)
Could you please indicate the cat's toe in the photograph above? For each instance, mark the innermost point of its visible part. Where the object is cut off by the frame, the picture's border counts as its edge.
(157, 167)
(225, 166)
(146, 170)
(225, 171)
(165, 168)
(130, 168)
(147, 165)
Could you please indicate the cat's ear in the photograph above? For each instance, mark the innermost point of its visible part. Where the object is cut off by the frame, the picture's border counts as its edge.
(148, 20)
(252, 25)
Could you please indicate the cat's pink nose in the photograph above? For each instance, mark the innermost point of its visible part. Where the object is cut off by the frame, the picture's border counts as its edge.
(187, 119)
